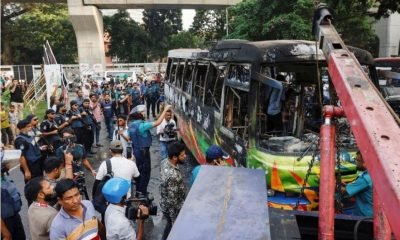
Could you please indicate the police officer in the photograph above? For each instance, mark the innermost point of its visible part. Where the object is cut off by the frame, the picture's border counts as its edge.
(136, 95)
(139, 132)
(49, 130)
(90, 125)
(61, 118)
(31, 157)
(11, 224)
(74, 116)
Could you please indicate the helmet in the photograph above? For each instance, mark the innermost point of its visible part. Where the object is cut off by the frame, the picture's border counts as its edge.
(115, 188)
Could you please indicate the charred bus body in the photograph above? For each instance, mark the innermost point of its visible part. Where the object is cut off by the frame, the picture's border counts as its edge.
(261, 101)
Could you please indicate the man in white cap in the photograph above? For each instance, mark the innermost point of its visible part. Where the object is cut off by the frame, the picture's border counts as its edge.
(139, 132)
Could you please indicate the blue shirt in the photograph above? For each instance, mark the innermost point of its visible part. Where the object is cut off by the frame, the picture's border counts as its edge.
(65, 226)
(144, 127)
(195, 172)
(361, 189)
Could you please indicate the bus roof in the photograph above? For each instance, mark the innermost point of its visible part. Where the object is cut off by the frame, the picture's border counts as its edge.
(187, 53)
(276, 51)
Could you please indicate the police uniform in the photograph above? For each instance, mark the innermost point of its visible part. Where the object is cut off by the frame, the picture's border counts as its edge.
(90, 126)
(60, 119)
(31, 151)
(54, 139)
(139, 132)
(77, 125)
(10, 206)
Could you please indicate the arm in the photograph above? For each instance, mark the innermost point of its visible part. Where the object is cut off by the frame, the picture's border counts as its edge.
(162, 116)
(68, 165)
(5, 233)
(89, 167)
(24, 165)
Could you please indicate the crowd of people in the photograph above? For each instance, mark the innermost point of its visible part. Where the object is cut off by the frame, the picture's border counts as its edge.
(55, 151)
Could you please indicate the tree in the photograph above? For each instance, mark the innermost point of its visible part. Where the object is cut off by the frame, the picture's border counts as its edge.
(185, 39)
(387, 7)
(9, 11)
(160, 25)
(209, 24)
(30, 31)
(129, 41)
(287, 19)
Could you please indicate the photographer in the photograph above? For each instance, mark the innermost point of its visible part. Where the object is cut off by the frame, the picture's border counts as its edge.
(77, 151)
(121, 134)
(167, 132)
(17, 97)
(118, 226)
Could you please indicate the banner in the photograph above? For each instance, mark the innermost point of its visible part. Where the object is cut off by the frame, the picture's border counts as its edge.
(53, 76)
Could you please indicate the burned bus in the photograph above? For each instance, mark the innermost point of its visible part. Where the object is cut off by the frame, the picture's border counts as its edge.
(261, 102)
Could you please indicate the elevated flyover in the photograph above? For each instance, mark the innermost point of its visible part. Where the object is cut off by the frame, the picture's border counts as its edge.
(87, 20)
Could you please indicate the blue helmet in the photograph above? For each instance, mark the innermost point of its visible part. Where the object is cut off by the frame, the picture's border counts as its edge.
(115, 188)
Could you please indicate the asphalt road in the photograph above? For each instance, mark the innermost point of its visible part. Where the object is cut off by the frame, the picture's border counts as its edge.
(154, 225)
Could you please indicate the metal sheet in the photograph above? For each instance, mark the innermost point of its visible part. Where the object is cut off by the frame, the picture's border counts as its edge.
(224, 203)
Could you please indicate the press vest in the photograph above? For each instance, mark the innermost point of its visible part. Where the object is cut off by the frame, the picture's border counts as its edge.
(138, 140)
(33, 152)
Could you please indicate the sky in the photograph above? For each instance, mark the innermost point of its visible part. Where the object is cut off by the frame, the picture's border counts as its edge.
(136, 14)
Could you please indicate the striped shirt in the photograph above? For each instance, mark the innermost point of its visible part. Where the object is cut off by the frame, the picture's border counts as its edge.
(65, 226)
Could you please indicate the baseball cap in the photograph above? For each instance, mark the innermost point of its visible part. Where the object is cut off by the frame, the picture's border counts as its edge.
(23, 123)
(48, 111)
(214, 152)
(138, 108)
(116, 144)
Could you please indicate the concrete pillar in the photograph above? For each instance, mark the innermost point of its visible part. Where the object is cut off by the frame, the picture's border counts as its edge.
(88, 25)
(388, 31)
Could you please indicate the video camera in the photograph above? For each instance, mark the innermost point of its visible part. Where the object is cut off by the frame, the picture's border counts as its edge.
(169, 130)
(133, 207)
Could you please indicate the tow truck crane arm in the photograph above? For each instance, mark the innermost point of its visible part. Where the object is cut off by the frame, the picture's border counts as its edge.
(376, 132)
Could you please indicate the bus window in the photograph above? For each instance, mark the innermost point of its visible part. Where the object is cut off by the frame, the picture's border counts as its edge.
(174, 66)
(179, 73)
(239, 74)
(188, 77)
(199, 81)
(214, 84)
(235, 111)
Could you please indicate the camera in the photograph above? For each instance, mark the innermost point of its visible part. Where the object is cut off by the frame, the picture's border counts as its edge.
(133, 207)
(169, 130)
(69, 140)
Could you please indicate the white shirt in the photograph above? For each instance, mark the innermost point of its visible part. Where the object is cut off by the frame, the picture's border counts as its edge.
(118, 227)
(123, 141)
(160, 130)
(121, 167)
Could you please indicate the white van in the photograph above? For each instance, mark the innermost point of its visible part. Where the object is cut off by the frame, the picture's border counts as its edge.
(121, 74)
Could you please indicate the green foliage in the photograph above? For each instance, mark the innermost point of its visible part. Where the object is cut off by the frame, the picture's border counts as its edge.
(129, 40)
(271, 19)
(43, 22)
(160, 25)
(185, 39)
(289, 19)
(209, 24)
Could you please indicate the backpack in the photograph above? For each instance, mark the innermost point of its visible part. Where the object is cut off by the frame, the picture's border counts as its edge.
(10, 198)
(99, 202)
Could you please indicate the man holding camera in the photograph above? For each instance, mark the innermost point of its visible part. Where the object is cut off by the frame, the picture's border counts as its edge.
(118, 225)
(17, 97)
(167, 132)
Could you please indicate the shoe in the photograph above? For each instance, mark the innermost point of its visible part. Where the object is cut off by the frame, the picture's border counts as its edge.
(99, 145)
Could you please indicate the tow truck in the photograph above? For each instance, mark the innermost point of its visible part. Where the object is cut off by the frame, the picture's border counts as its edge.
(225, 214)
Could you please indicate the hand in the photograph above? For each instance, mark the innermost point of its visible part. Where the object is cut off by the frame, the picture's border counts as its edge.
(120, 132)
(68, 158)
(84, 113)
(93, 173)
(7, 236)
(27, 175)
(167, 107)
(43, 148)
(143, 211)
